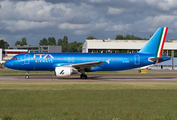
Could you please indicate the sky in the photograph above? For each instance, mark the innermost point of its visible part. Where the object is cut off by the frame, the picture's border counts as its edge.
(79, 19)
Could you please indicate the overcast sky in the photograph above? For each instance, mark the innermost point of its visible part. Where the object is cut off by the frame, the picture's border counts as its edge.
(79, 19)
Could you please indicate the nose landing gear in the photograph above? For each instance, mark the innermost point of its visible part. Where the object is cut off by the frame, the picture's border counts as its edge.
(27, 75)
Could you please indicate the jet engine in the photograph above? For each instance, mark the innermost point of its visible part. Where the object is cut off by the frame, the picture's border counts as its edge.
(65, 71)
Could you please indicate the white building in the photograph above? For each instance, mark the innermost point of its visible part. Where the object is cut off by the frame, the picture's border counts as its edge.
(1, 54)
(9, 53)
(115, 46)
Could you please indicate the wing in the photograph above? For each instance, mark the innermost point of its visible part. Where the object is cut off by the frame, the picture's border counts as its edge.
(87, 65)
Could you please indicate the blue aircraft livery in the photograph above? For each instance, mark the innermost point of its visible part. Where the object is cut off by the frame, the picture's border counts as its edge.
(65, 64)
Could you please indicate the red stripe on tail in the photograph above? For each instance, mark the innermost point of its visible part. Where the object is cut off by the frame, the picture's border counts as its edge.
(161, 49)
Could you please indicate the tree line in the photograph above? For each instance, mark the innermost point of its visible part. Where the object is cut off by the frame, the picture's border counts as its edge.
(129, 37)
(66, 47)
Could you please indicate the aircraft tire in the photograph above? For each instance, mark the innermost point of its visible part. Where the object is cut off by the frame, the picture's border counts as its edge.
(27, 76)
(83, 76)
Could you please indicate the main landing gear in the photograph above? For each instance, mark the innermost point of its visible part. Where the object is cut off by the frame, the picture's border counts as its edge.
(83, 76)
(27, 75)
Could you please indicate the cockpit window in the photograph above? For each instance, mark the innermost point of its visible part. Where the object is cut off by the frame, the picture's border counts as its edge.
(15, 58)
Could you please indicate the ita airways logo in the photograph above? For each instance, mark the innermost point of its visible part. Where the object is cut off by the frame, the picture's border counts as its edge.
(48, 56)
(62, 72)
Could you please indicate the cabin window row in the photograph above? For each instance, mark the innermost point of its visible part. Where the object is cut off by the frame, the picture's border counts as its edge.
(79, 59)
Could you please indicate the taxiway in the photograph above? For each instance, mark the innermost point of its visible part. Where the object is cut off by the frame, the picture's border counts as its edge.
(92, 78)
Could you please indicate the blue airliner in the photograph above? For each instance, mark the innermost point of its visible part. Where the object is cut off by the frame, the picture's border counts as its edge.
(65, 64)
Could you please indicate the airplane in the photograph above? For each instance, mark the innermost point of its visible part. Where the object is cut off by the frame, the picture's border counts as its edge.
(66, 64)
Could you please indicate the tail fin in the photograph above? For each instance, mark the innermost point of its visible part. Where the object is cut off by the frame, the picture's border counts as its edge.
(156, 43)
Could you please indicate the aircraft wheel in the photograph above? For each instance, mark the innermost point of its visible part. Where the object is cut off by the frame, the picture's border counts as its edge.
(83, 76)
(27, 76)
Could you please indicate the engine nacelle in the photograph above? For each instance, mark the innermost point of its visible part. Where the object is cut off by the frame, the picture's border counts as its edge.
(65, 71)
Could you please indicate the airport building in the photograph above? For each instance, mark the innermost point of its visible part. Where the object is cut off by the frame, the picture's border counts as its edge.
(1, 54)
(7, 54)
(121, 46)
(36, 49)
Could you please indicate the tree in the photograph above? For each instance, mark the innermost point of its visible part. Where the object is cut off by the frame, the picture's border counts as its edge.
(21, 43)
(52, 41)
(3, 44)
(43, 42)
(128, 37)
(60, 42)
(90, 38)
(119, 37)
(73, 47)
(65, 40)
(18, 43)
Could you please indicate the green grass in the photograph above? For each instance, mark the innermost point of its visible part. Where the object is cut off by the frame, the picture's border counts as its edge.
(92, 101)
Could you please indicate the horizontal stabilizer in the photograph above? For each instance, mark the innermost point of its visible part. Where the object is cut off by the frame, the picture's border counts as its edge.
(153, 59)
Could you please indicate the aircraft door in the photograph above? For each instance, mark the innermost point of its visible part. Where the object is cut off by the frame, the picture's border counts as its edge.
(27, 59)
(137, 59)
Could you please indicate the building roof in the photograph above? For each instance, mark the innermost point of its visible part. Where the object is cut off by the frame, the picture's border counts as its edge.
(124, 44)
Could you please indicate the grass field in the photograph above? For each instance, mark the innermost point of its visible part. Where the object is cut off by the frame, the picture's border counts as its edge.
(92, 101)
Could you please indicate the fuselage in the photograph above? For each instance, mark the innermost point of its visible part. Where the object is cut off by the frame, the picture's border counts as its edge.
(49, 61)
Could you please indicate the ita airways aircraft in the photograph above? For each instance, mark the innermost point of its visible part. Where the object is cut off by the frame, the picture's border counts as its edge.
(66, 64)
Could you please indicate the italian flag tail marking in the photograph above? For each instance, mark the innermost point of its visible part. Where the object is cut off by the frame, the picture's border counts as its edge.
(161, 43)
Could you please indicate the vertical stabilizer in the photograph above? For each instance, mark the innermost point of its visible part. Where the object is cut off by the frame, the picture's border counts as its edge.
(156, 43)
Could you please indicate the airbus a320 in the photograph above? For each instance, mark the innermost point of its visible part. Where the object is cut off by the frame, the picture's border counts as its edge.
(66, 64)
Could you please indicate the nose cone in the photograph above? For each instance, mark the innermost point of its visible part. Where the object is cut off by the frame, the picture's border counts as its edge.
(8, 64)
